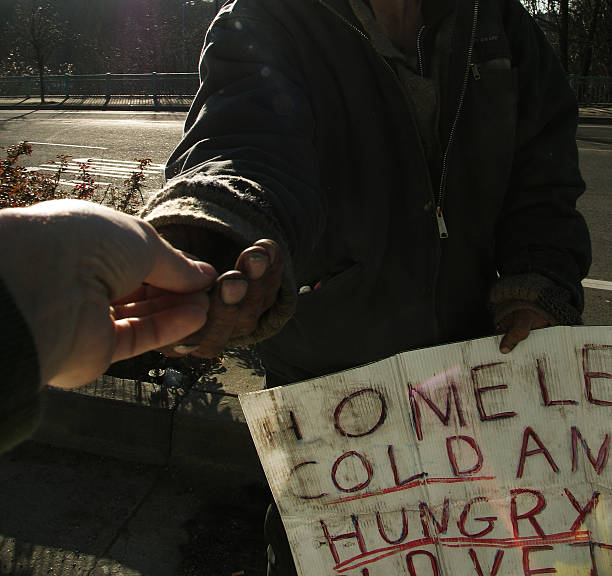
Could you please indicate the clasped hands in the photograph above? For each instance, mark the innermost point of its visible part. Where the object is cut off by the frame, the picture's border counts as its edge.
(96, 286)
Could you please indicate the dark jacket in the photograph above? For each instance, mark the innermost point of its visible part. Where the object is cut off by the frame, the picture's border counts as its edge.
(301, 132)
(20, 395)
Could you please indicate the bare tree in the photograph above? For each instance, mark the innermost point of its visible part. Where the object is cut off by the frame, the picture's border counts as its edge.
(39, 31)
(579, 30)
(564, 34)
(588, 16)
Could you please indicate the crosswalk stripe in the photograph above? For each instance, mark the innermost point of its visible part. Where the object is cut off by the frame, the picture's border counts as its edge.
(97, 169)
(597, 284)
(109, 161)
(102, 168)
(77, 182)
(93, 173)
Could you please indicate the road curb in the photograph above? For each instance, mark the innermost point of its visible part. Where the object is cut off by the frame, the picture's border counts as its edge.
(98, 108)
(601, 120)
(198, 432)
(605, 117)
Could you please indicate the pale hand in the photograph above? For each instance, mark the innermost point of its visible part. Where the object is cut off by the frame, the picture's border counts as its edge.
(78, 270)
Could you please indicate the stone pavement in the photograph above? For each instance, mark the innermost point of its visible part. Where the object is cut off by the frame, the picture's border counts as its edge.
(590, 114)
(126, 102)
(124, 479)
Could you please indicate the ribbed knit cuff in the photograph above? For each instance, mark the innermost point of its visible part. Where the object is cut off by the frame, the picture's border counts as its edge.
(20, 396)
(534, 292)
(216, 205)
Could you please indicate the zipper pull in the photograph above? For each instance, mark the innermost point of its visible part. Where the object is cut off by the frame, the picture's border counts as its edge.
(441, 223)
(475, 71)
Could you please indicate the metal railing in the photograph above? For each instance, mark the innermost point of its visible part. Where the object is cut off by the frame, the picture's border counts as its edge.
(152, 85)
(589, 89)
(592, 89)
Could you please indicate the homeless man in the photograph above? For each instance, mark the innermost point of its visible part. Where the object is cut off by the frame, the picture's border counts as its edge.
(414, 168)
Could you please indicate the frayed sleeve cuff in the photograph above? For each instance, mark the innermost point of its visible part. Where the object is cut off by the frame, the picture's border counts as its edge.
(227, 207)
(533, 292)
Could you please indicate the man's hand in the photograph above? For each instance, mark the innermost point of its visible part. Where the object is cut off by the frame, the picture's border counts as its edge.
(97, 286)
(237, 301)
(516, 327)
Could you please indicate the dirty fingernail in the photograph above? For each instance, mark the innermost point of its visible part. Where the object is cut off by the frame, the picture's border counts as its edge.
(233, 290)
(256, 264)
(504, 350)
(270, 247)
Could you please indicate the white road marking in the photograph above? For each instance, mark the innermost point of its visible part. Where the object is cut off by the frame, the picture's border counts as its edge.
(597, 284)
(92, 172)
(107, 112)
(96, 168)
(76, 182)
(595, 149)
(107, 161)
(67, 145)
(101, 167)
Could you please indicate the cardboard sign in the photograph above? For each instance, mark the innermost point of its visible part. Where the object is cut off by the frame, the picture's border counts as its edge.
(455, 460)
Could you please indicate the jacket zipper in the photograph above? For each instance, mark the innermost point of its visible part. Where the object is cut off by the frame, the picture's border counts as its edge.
(420, 51)
(439, 199)
(470, 66)
(388, 66)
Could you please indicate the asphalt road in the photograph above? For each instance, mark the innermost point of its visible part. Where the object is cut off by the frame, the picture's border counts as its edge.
(595, 148)
(114, 139)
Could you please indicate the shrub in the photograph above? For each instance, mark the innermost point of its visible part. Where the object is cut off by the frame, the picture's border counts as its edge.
(21, 186)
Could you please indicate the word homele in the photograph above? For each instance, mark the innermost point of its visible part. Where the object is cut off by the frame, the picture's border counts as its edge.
(515, 532)
(454, 460)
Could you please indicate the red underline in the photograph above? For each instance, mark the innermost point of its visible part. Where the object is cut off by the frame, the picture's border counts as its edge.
(598, 544)
(464, 542)
(408, 486)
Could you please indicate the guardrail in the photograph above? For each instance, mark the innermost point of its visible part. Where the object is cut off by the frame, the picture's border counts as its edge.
(592, 89)
(153, 85)
(589, 89)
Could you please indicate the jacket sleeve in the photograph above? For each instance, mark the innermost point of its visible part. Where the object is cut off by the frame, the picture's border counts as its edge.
(20, 394)
(246, 167)
(543, 246)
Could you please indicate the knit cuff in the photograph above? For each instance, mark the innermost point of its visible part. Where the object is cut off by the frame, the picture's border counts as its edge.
(533, 292)
(226, 207)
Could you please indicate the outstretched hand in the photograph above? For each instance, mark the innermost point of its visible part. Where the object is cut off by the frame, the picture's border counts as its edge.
(97, 286)
(237, 301)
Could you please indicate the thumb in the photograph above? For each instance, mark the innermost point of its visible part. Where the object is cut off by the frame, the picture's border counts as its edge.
(172, 270)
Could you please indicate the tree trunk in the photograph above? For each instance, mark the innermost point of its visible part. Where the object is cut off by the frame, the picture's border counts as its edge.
(564, 34)
(587, 49)
(41, 77)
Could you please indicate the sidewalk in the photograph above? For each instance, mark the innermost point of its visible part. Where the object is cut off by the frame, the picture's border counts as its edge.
(161, 103)
(130, 481)
(593, 114)
(125, 480)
